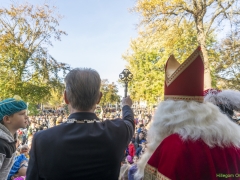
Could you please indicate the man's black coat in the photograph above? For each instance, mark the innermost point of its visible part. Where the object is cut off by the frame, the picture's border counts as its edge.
(81, 151)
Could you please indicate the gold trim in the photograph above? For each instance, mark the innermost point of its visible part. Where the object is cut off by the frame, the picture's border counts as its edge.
(150, 169)
(160, 176)
(184, 98)
(183, 66)
(151, 173)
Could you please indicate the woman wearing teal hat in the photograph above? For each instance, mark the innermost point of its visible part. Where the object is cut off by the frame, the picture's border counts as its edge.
(12, 117)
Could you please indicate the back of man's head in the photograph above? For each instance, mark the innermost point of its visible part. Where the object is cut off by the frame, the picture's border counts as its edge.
(83, 88)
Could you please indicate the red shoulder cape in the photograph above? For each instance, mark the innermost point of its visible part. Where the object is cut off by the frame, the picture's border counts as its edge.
(192, 160)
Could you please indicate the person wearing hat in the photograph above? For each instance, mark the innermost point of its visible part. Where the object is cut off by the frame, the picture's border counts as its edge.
(189, 138)
(12, 117)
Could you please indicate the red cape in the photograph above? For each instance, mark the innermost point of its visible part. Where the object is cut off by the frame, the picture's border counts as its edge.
(192, 160)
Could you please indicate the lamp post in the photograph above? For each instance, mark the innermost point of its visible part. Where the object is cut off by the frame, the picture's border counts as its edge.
(125, 76)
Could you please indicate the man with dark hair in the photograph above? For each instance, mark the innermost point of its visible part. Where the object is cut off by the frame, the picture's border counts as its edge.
(83, 147)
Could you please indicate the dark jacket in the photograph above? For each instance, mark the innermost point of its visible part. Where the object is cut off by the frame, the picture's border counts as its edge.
(81, 151)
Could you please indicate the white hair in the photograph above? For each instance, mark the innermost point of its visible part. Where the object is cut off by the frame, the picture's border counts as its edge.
(191, 120)
(229, 98)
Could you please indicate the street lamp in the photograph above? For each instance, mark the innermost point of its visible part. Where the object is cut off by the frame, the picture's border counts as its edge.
(125, 76)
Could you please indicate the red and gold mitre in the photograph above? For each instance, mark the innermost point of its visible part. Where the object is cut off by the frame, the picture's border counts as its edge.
(185, 81)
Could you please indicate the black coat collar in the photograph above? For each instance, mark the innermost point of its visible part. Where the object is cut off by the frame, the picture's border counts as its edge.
(80, 116)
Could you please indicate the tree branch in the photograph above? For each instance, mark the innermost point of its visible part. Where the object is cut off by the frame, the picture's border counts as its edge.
(209, 3)
(185, 8)
(223, 10)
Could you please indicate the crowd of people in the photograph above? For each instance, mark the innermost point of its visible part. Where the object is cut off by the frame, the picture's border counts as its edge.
(182, 140)
(132, 153)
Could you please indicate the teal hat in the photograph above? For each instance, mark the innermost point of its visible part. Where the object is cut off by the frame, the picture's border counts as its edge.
(11, 105)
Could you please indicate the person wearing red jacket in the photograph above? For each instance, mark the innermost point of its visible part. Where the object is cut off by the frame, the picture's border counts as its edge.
(131, 148)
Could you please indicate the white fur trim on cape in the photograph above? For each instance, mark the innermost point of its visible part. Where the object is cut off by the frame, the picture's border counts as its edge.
(191, 120)
(229, 98)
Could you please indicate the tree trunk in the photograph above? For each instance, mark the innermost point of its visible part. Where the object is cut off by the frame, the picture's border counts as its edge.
(201, 37)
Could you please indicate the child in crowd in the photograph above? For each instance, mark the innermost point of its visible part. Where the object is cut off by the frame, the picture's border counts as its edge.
(140, 139)
(19, 167)
(125, 168)
(140, 129)
(133, 169)
(12, 117)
